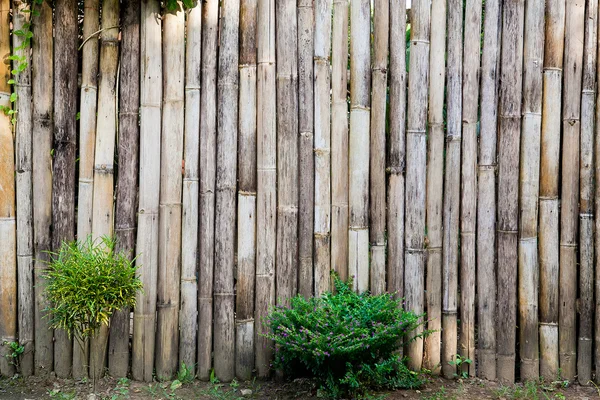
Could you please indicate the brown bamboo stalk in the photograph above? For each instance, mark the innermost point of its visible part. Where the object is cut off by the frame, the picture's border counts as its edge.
(208, 133)
(586, 198)
(144, 318)
(416, 164)
(246, 223)
(529, 183)
(63, 166)
(549, 178)
(571, 109)
(435, 183)
(596, 318)
(42, 179)
(188, 316)
(509, 131)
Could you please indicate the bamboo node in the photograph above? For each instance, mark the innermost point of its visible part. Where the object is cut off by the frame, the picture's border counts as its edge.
(568, 245)
(322, 151)
(586, 216)
(416, 132)
(306, 134)
(247, 193)
(414, 250)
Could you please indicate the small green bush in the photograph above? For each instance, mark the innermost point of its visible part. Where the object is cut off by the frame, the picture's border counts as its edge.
(346, 341)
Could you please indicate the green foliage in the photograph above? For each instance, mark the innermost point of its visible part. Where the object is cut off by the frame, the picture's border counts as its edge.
(346, 341)
(16, 350)
(175, 5)
(459, 362)
(185, 375)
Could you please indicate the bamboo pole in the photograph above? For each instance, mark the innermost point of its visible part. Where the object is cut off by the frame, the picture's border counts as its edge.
(42, 179)
(509, 130)
(208, 128)
(339, 139)
(246, 231)
(586, 198)
(358, 159)
(435, 183)
(63, 166)
(596, 317)
(227, 124)
(416, 154)
(486, 196)
(529, 183)
(571, 109)
(188, 316)
(322, 152)
(308, 25)
(381, 22)
(549, 178)
(450, 251)
(144, 318)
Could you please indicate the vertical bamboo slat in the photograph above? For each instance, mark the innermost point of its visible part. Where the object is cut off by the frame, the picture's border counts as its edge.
(596, 317)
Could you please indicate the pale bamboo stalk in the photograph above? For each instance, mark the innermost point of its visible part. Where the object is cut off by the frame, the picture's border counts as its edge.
(322, 151)
(596, 188)
(529, 184)
(42, 180)
(486, 188)
(416, 164)
(549, 178)
(450, 250)
(144, 318)
(586, 198)
(435, 183)
(63, 165)
(569, 206)
(358, 159)
(206, 235)
(509, 130)
(246, 231)
(308, 157)
(188, 315)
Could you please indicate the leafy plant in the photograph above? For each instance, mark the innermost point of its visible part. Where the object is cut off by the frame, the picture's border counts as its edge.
(345, 340)
(16, 350)
(185, 374)
(459, 362)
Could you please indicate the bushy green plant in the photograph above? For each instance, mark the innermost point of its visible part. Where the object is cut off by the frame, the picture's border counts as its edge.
(345, 340)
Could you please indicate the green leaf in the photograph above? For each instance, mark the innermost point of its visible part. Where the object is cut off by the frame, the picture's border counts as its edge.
(29, 34)
(19, 32)
(13, 97)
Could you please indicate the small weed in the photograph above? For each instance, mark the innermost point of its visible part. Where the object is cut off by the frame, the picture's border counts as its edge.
(15, 352)
(441, 394)
(532, 390)
(121, 391)
(185, 374)
(58, 395)
(459, 362)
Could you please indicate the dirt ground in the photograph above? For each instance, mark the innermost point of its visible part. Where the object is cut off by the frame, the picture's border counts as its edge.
(436, 389)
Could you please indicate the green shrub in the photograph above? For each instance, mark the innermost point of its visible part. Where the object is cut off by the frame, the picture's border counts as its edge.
(346, 341)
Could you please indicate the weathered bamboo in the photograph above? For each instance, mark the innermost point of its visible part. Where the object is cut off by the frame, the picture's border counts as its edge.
(529, 183)
(23, 169)
(358, 159)
(266, 161)
(586, 198)
(188, 315)
(227, 125)
(450, 251)
(308, 157)
(339, 139)
(63, 166)
(486, 198)
(42, 179)
(571, 109)
(246, 221)
(381, 21)
(206, 235)
(509, 130)
(435, 183)
(416, 155)
(144, 318)
(549, 178)
(597, 235)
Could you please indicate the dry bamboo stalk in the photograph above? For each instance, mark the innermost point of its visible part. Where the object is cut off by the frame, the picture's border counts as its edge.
(358, 159)
(586, 200)
(596, 288)
(529, 183)
(416, 155)
(307, 115)
(144, 319)
(322, 152)
(227, 125)
(509, 131)
(188, 316)
(435, 182)
(571, 108)
(42, 179)
(381, 22)
(63, 177)
(206, 235)
(549, 178)
(266, 160)
(246, 231)
(486, 204)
